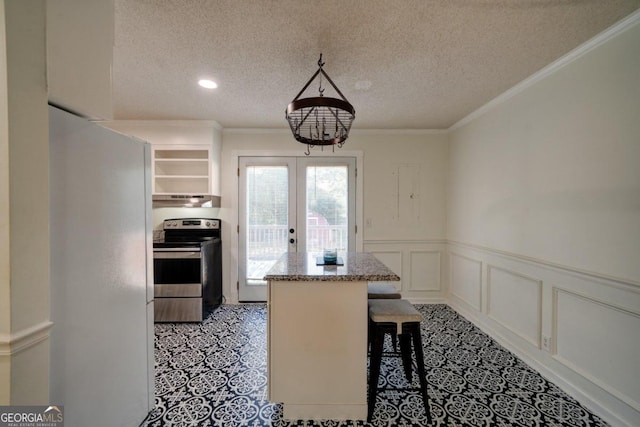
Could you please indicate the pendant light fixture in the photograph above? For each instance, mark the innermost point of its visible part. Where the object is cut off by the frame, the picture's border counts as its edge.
(320, 120)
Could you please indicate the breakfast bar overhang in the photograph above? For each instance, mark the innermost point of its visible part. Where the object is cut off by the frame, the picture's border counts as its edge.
(317, 334)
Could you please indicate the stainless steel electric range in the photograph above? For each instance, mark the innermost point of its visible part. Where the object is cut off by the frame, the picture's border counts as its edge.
(187, 269)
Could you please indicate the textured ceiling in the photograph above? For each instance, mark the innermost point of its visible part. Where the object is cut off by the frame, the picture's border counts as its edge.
(410, 64)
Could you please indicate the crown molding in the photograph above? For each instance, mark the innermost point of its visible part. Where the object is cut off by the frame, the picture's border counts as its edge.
(165, 123)
(561, 62)
(280, 131)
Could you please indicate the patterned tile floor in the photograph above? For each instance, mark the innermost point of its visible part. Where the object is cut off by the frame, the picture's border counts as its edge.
(214, 374)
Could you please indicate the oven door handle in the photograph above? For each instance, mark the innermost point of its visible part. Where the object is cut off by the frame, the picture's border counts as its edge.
(176, 255)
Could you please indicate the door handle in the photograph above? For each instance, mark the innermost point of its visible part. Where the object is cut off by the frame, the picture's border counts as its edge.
(292, 240)
(291, 230)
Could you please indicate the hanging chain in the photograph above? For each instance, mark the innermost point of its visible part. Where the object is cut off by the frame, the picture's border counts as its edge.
(320, 88)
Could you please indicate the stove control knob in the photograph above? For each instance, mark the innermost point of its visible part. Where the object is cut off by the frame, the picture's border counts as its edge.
(208, 224)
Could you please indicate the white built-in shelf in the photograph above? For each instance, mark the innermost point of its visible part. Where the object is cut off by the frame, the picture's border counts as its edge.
(181, 170)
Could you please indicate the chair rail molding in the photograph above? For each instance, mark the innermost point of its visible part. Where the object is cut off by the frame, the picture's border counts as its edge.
(566, 269)
(11, 344)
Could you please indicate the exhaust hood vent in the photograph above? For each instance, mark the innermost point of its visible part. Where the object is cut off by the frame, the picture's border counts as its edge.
(185, 201)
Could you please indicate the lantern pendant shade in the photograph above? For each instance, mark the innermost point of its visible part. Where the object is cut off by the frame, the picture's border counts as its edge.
(320, 120)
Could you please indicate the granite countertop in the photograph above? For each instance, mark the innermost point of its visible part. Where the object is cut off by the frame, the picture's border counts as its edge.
(358, 266)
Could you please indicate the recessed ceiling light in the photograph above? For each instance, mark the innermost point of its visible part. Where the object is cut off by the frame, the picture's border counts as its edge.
(209, 84)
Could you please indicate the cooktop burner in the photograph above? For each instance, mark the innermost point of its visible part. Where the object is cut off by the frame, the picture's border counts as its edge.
(188, 232)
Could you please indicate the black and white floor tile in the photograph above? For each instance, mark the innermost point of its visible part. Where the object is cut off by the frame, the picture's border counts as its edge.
(214, 374)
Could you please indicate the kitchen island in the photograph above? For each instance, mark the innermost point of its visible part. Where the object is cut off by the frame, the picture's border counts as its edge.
(317, 334)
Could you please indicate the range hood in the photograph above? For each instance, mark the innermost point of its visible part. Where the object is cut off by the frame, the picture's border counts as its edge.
(185, 201)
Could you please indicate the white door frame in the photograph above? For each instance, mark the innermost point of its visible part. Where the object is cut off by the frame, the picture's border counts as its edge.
(233, 243)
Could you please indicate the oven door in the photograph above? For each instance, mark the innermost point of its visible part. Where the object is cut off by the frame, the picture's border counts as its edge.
(177, 285)
(174, 267)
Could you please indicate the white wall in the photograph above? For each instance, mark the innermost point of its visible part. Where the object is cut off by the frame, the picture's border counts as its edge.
(5, 226)
(406, 233)
(552, 173)
(404, 207)
(80, 38)
(24, 223)
(544, 222)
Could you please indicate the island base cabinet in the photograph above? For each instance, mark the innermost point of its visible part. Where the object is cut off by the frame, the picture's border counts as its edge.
(317, 348)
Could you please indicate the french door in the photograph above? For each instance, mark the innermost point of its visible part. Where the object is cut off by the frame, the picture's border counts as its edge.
(291, 204)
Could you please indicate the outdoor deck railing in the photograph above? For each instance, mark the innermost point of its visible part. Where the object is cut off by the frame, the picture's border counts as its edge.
(272, 240)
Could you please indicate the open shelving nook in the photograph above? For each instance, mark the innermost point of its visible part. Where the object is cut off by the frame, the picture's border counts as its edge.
(182, 170)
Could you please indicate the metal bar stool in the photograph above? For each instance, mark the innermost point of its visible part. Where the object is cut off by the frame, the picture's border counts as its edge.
(395, 317)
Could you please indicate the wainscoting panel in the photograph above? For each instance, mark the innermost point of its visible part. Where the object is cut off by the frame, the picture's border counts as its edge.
(418, 263)
(599, 341)
(425, 271)
(393, 260)
(515, 301)
(466, 280)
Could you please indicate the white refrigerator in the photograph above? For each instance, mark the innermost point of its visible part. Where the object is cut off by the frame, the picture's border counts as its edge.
(101, 274)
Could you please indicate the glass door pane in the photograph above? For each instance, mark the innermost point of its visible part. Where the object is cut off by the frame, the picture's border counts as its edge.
(326, 203)
(267, 219)
(326, 211)
(266, 212)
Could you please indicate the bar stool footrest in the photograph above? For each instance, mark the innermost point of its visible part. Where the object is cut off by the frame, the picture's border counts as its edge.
(397, 318)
